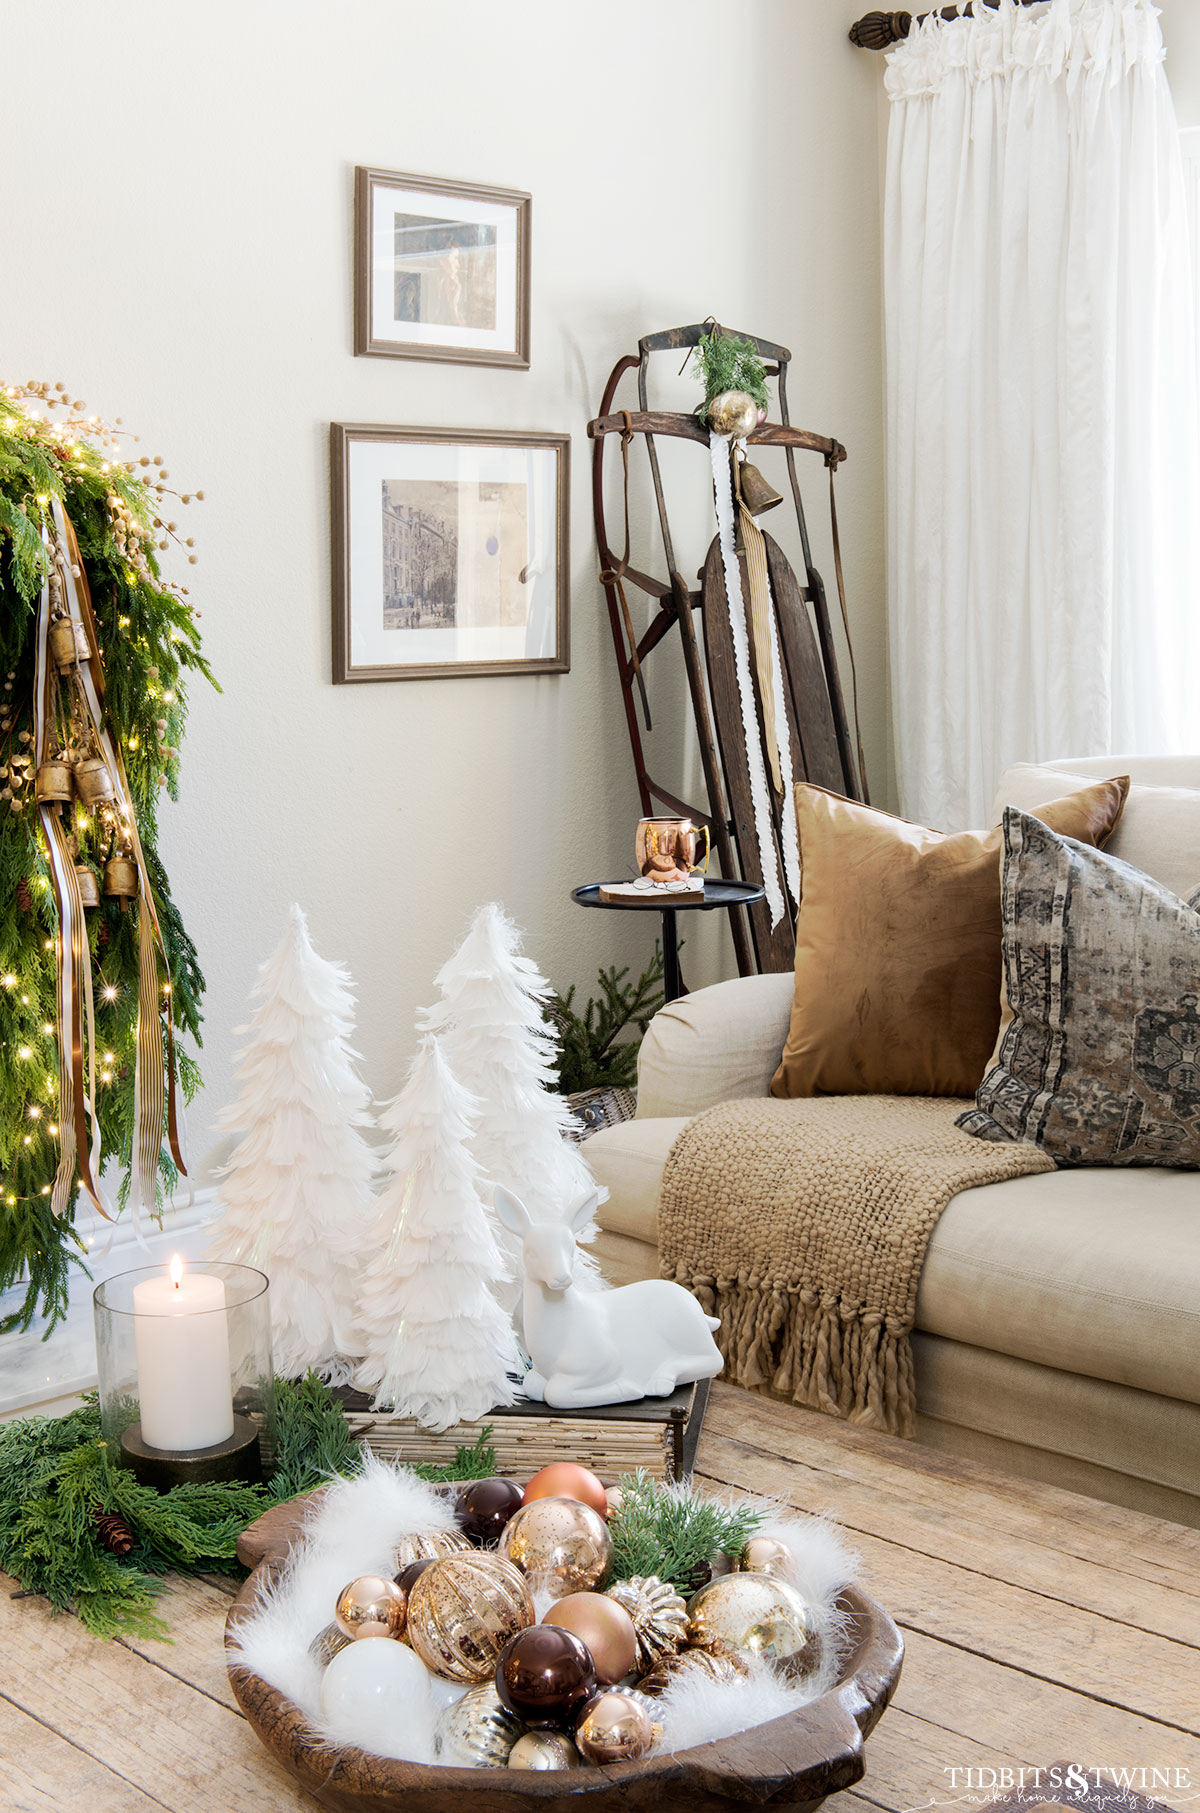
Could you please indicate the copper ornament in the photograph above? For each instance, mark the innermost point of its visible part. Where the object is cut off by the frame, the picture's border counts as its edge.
(428, 1545)
(563, 1545)
(93, 782)
(688, 1661)
(544, 1750)
(477, 1731)
(566, 1479)
(615, 1728)
(89, 887)
(546, 1676)
(370, 1607)
(733, 412)
(463, 1610)
(746, 1616)
(604, 1626)
(767, 1555)
(659, 1613)
(68, 643)
(328, 1643)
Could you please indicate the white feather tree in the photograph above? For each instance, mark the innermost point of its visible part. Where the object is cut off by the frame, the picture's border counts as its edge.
(502, 1049)
(296, 1192)
(438, 1345)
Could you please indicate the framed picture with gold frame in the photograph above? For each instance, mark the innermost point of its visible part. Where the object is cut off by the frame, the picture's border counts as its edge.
(450, 552)
(441, 269)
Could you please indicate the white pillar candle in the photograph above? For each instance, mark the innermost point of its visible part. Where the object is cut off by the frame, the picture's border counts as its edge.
(182, 1334)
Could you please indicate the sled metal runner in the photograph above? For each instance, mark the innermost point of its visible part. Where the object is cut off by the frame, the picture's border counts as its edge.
(824, 745)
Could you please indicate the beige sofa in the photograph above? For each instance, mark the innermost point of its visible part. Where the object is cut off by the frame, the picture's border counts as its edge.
(1058, 1318)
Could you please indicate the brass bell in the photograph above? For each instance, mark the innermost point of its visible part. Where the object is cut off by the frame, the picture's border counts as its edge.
(55, 782)
(89, 888)
(93, 781)
(68, 641)
(121, 877)
(757, 494)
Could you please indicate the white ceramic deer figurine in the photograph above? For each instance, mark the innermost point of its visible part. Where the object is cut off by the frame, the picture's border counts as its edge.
(601, 1347)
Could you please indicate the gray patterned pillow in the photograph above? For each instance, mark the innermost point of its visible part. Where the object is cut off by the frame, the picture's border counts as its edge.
(1101, 1062)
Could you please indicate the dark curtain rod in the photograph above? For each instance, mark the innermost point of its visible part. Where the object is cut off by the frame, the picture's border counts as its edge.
(879, 31)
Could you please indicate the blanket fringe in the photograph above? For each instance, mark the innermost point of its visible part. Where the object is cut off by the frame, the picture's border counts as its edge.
(815, 1349)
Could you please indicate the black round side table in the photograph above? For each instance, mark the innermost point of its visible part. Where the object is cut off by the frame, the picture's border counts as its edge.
(717, 893)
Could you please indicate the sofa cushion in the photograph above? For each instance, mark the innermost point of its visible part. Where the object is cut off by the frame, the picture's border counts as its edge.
(1159, 830)
(719, 1044)
(1100, 1064)
(898, 947)
(629, 1159)
(1096, 1272)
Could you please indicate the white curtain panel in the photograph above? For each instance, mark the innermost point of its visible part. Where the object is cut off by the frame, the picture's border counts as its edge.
(1042, 415)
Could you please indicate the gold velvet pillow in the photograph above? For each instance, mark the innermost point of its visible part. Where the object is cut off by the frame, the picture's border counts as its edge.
(898, 946)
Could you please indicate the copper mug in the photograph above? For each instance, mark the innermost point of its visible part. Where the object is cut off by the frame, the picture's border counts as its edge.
(668, 849)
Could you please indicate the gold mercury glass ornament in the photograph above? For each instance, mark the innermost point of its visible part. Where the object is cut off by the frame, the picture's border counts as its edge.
(463, 1610)
(328, 1643)
(767, 1555)
(478, 1731)
(564, 1546)
(659, 1613)
(733, 412)
(750, 1616)
(688, 1661)
(428, 1545)
(544, 1750)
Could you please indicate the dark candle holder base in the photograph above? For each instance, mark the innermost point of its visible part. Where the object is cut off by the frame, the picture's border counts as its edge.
(162, 1468)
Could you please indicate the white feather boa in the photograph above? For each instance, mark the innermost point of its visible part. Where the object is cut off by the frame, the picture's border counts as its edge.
(355, 1529)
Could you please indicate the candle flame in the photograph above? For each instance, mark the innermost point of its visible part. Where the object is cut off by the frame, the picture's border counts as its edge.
(175, 1270)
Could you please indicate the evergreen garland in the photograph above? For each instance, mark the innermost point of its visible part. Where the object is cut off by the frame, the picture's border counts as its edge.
(149, 646)
(59, 1485)
(724, 362)
(671, 1531)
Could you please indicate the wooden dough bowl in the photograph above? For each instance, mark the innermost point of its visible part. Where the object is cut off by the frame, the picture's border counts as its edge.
(793, 1762)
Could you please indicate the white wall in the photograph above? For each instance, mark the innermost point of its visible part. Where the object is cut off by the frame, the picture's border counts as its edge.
(176, 209)
(1180, 21)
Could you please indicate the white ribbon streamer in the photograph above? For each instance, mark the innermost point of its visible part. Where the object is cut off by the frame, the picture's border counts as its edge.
(760, 797)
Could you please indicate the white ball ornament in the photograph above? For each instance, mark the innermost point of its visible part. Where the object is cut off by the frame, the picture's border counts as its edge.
(371, 1691)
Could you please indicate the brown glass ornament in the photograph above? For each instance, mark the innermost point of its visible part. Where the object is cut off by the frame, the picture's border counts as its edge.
(562, 1544)
(462, 1610)
(407, 1575)
(614, 1728)
(484, 1507)
(545, 1676)
(604, 1626)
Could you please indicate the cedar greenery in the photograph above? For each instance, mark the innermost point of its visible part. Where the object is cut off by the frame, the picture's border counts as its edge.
(723, 362)
(672, 1532)
(592, 1054)
(57, 1473)
(150, 646)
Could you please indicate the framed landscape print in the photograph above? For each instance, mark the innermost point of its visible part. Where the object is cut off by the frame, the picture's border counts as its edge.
(450, 552)
(441, 269)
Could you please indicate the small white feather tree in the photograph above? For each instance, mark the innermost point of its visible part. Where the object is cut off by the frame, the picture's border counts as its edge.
(438, 1345)
(503, 1050)
(296, 1192)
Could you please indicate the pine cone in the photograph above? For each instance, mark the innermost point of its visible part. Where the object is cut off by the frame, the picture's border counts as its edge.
(24, 895)
(114, 1533)
(103, 935)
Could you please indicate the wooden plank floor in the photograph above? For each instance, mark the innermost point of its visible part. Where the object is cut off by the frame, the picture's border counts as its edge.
(1040, 1627)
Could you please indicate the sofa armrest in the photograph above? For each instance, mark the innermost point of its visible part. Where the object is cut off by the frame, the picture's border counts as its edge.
(717, 1045)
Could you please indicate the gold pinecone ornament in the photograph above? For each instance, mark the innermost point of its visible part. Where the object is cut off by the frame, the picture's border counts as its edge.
(659, 1613)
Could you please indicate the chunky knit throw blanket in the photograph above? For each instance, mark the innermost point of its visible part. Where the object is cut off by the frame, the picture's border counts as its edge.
(804, 1224)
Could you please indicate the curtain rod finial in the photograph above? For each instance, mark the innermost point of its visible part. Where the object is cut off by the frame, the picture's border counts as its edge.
(878, 31)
